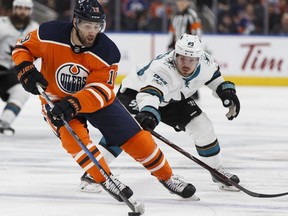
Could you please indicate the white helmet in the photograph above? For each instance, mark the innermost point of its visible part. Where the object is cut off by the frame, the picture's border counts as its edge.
(189, 45)
(23, 3)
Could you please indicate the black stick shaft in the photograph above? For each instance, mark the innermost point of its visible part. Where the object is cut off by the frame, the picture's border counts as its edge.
(213, 171)
(86, 150)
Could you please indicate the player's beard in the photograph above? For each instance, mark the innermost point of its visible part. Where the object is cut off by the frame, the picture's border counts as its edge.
(87, 41)
(186, 71)
(20, 22)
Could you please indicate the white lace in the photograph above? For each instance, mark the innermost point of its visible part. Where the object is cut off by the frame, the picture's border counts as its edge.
(175, 183)
(114, 188)
(224, 172)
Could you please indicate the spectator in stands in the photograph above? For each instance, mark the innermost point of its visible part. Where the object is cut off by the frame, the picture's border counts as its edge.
(244, 21)
(63, 8)
(274, 14)
(282, 28)
(157, 12)
(132, 12)
(226, 24)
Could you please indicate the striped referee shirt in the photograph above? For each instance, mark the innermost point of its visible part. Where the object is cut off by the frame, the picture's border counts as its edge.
(184, 22)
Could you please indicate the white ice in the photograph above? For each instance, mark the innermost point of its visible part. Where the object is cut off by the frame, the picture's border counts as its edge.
(38, 178)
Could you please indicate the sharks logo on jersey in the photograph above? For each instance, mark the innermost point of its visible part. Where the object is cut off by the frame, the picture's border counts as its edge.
(71, 77)
(170, 63)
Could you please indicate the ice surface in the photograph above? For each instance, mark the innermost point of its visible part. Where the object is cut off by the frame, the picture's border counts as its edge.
(38, 178)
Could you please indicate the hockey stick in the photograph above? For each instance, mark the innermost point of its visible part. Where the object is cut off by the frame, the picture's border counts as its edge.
(213, 171)
(137, 208)
(6, 72)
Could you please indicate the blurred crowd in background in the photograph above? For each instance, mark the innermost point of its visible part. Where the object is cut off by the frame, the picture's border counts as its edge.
(248, 17)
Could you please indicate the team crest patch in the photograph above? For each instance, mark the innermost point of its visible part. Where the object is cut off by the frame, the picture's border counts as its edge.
(71, 77)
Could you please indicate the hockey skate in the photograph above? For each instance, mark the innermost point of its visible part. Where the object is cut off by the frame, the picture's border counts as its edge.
(113, 189)
(177, 186)
(222, 185)
(89, 185)
(5, 129)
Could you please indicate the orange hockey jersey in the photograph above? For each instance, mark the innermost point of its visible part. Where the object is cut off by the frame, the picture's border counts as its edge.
(85, 73)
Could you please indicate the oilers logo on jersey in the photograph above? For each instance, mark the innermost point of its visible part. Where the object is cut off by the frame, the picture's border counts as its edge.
(71, 77)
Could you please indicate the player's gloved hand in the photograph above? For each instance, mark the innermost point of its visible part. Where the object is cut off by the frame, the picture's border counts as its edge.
(66, 108)
(227, 93)
(148, 117)
(28, 75)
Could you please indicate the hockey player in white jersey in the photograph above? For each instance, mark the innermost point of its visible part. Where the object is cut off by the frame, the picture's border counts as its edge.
(11, 92)
(162, 90)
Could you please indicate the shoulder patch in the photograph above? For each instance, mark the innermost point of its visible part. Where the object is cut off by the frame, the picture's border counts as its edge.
(26, 38)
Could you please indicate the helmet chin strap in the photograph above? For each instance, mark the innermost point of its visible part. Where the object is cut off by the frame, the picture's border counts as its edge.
(77, 34)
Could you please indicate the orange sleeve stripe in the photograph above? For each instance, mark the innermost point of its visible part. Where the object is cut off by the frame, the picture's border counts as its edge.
(91, 100)
(171, 29)
(20, 55)
(195, 25)
(97, 96)
(102, 86)
(101, 92)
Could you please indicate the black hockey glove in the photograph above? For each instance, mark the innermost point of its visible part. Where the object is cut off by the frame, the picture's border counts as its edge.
(227, 93)
(67, 108)
(148, 118)
(28, 75)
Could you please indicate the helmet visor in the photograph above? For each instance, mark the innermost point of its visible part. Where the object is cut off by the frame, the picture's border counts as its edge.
(186, 60)
(88, 26)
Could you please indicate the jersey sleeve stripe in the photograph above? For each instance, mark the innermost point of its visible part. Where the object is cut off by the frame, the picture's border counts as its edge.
(101, 92)
(105, 88)
(99, 98)
(17, 50)
(215, 76)
(21, 47)
(196, 25)
(153, 91)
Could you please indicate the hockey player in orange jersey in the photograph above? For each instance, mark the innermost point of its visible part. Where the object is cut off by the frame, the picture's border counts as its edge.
(79, 66)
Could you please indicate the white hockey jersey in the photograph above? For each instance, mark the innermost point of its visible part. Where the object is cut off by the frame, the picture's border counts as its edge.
(8, 37)
(160, 83)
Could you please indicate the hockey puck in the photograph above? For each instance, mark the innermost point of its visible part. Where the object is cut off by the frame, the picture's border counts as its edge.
(134, 213)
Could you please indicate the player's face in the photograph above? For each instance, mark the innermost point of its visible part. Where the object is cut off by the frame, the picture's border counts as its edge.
(22, 13)
(88, 32)
(182, 5)
(186, 65)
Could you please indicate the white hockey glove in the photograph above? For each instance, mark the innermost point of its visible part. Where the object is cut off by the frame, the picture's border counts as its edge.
(227, 93)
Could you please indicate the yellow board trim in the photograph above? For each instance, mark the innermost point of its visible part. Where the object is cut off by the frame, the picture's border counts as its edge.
(258, 81)
(119, 79)
(239, 80)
